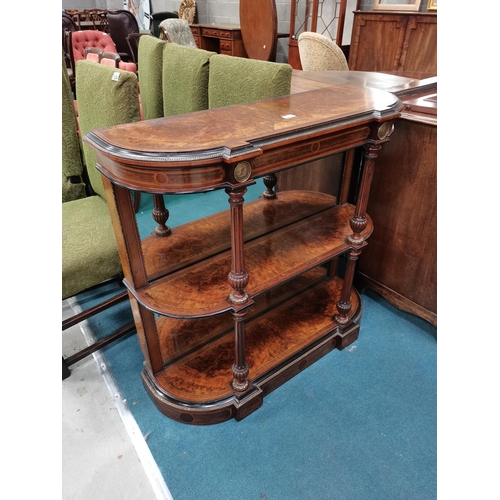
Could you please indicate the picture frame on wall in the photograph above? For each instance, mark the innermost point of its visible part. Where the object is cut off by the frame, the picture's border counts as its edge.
(432, 5)
(405, 5)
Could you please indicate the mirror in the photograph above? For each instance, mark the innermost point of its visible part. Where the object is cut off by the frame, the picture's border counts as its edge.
(409, 5)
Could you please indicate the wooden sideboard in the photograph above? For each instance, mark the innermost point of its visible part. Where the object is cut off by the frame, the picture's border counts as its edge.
(220, 38)
(231, 306)
(387, 41)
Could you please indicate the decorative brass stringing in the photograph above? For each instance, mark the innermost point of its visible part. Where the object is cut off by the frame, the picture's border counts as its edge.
(242, 171)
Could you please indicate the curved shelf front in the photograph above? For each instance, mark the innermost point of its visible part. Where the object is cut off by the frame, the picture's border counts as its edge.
(197, 387)
(203, 289)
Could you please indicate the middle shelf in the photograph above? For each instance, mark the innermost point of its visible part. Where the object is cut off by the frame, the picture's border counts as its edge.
(285, 237)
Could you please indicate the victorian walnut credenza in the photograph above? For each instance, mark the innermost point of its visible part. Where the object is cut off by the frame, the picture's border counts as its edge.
(231, 306)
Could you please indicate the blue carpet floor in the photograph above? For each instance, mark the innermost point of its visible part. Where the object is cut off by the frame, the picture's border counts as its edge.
(357, 424)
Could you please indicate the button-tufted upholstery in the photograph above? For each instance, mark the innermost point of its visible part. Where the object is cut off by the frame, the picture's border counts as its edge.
(99, 39)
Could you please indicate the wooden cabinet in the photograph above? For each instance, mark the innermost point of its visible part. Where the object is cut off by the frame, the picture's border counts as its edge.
(230, 306)
(394, 42)
(400, 262)
(220, 38)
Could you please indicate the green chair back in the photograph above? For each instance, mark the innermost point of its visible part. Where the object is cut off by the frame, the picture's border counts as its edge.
(150, 72)
(185, 79)
(106, 96)
(236, 80)
(73, 187)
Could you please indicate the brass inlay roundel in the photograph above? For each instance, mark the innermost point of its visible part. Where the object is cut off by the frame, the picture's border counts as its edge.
(242, 171)
(161, 178)
(384, 130)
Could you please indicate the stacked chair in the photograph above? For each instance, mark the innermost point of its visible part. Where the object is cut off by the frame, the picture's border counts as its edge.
(89, 250)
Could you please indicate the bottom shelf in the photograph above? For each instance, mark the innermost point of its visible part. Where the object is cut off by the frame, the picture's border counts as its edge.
(280, 343)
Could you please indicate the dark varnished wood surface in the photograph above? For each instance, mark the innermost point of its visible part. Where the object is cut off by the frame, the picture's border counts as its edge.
(203, 289)
(203, 238)
(236, 316)
(271, 339)
(223, 38)
(394, 41)
(400, 262)
(327, 174)
(259, 28)
(395, 83)
(180, 337)
(198, 151)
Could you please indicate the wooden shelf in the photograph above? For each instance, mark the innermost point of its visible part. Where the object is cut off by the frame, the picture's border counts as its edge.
(202, 289)
(279, 343)
(193, 242)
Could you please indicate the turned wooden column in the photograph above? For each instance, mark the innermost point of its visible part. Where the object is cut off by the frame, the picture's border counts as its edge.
(240, 367)
(238, 276)
(160, 215)
(359, 220)
(270, 182)
(238, 279)
(344, 303)
(358, 224)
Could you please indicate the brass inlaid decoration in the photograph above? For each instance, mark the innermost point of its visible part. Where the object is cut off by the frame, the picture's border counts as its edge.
(385, 130)
(242, 171)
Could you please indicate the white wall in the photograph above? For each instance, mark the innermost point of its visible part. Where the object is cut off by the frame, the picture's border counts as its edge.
(92, 4)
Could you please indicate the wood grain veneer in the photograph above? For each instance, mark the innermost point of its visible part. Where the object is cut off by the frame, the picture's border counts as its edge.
(229, 307)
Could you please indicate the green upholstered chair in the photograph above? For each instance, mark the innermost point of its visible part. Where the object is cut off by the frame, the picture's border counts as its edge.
(89, 250)
(236, 80)
(150, 72)
(185, 79)
(73, 187)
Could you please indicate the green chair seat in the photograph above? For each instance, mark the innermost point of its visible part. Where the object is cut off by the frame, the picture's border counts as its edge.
(89, 250)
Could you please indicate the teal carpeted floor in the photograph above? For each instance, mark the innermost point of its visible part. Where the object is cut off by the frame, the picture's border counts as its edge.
(357, 425)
